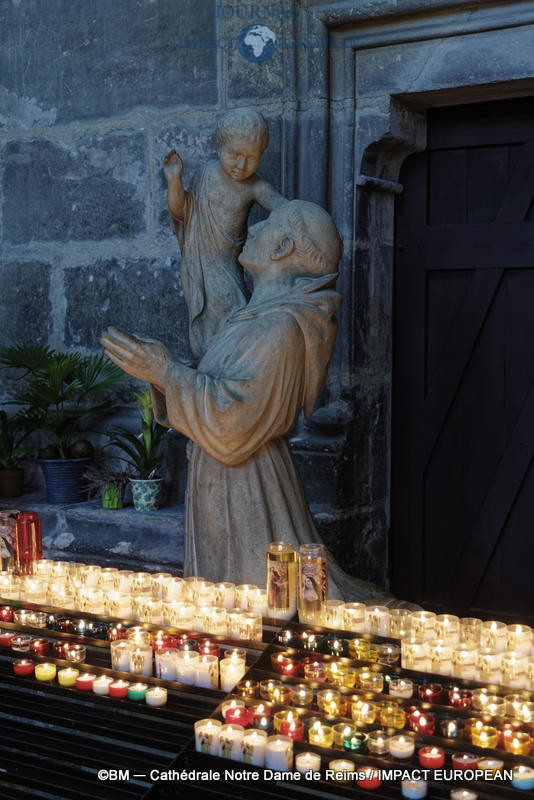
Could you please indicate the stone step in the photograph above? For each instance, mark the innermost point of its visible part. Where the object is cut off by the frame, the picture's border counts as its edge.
(122, 538)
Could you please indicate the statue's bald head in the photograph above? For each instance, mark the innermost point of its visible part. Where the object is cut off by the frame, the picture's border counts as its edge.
(318, 245)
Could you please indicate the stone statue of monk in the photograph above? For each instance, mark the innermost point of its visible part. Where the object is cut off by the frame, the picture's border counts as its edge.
(266, 363)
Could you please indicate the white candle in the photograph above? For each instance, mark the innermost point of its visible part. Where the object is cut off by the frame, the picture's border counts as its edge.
(156, 697)
(401, 687)
(493, 635)
(207, 672)
(279, 753)
(119, 605)
(414, 790)
(225, 595)
(230, 741)
(401, 746)
(253, 747)
(166, 664)
(440, 655)
(120, 655)
(186, 666)
(159, 582)
(173, 590)
(423, 624)
(519, 639)
(242, 593)
(232, 671)
(414, 654)
(141, 660)
(304, 762)
(216, 621)
(101, 685)
(207, 733)
(377, 620)
(463, 794)
(257, 602)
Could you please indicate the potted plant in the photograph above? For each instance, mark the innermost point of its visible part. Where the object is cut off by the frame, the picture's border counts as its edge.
(58, 400)
(12, 451)
(107, 482)
(143, 454)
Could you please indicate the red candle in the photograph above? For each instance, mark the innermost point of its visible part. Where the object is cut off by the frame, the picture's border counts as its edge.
(293, 728)
(60, 648)
(40, 646)
(207, 647)
(23, 667)
(507, 729)
(286, 665)
(118, 689)
(371, 779)
(461, 698)
(261, 709)
(117, 632)
(430, 692)
(6, 638)
(64, 625)
(164, 641)
(431, 757)
(464, 761)
(420, 722)
(238, 716)
(84, 681)
(189, 641)
(6, 614)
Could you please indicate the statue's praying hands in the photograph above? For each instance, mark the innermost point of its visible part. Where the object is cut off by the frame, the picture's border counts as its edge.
(142, 358)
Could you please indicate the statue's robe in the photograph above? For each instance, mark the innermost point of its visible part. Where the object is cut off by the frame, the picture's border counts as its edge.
(210, 274)
(267, 363)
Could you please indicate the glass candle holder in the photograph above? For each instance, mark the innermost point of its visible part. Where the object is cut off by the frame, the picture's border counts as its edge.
(514, 669)
(248, 689)
(485, 736)
(341, 729)
(372, 681)
(401, 687)
(464, 660)
(315, 671)
(363, 712)
(332, 613)
(120, 654)
(325, 696)
(40, 646)
(388, 654)
(440, 656)
(232, 702)
(362, 649)
(280, 694)
(489, 665)
(312, 581)
(224, 595)
(514, 702)
(186, 662)
(267, 685)
(354, 617)
(241, 595)
(430, 692)
(279, 753)
(21, 643)
(321, 735)
(526, 713)
(414, 654)
(140, 659)
(355, 741)
(470, 630)
(530, 673)
(203, 593)
(493, 635)
(159, 582)
(181, 614)
(451, 728)
(377, 620)
(448, 628)
(284, 715)
(253, 747)
(166, 664)
(335, 646)
(460, 698)
(402, 747)
(378, 743)
(301, 695)
(393, 718)
(286, 662)
(207, 676)
(250, 627)
(207, 732)
(76, 653)
(519, 639)
(519, 743)
(216, 621)
(311, 640)
(281, 580)
(422, 722)
(495, 706)
(399, 623)
(423, 625)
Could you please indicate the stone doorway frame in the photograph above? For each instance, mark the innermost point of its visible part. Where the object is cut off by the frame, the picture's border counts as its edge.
(362, 133)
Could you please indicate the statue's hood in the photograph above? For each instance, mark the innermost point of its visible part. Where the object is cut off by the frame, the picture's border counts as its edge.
(312, 303)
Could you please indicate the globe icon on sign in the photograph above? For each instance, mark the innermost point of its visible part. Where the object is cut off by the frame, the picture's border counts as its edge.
(256, 43)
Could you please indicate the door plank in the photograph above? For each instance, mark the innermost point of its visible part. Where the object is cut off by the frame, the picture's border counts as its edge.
(518, 196)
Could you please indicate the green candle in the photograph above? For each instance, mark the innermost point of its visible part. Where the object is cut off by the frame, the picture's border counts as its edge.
(137, 691)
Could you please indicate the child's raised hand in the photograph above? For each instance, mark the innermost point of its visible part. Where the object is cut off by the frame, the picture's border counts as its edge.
(173, 166)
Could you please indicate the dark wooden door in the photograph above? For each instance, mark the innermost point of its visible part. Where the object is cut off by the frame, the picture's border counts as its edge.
(462, 533)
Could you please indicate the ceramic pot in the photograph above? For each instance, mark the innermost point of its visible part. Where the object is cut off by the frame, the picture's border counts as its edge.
(146, 494)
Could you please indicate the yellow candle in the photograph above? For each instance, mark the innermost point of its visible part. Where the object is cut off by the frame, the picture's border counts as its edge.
(518, 744)
(45, 672)
(67, 676)
(322, 735)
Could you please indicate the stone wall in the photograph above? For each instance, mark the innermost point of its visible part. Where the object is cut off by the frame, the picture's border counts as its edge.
(92, 96)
